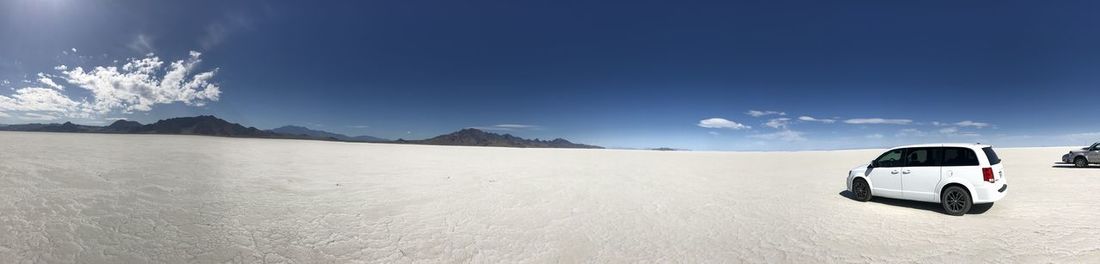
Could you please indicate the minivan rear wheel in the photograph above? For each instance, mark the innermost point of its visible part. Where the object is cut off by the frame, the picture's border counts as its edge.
(1080, 162)
(861, 190)
(956, 200)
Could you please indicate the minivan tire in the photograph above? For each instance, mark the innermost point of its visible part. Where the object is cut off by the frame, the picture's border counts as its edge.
(1080, 162)
(861, 191)
(956, 200)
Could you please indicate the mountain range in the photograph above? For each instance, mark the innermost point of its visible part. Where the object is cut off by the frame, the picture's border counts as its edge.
(475, 137)
(306, 132)
(213, 126)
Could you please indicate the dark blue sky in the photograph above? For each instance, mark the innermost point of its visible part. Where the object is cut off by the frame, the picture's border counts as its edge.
(619, 74)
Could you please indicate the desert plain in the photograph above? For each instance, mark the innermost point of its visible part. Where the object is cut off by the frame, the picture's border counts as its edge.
(103, 198)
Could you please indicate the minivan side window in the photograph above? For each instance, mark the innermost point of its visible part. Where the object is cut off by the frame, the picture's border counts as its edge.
(959, 157)
(891, 159)
(923, 157)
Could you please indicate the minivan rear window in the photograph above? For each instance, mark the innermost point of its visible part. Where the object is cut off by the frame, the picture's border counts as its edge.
(991, 155)
(959, 157)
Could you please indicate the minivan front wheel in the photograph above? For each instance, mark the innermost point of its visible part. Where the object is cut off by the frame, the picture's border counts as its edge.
(956, 200)
(861, 190)
(1080, 162)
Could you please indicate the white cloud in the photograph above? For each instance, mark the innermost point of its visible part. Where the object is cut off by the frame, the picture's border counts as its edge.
(37, 117)
(721, 123)
(949, 130)
(878, 121)
(137, 86)
(778, 123)
(812, 119)
(715, 133)
(142, 44)
(37, 99)
(755, 113)
(2, 114)
(115, 118)
(785, 135)
(44, 79)
(968, 123)
(874, 136)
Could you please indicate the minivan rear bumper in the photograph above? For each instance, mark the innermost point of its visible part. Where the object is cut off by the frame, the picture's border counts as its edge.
(990, 193)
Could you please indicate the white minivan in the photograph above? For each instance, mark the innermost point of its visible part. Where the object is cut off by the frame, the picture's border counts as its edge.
(955, 175)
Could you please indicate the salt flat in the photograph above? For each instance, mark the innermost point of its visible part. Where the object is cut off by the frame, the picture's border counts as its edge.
(97, 198)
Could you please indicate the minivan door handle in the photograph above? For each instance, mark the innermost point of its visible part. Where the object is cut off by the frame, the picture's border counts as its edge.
(905, 171)
(894, 172)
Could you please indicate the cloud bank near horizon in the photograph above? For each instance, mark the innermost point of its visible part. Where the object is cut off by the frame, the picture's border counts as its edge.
(135, 86)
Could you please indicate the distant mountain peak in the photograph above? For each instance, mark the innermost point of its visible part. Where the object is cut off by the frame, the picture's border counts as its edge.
(320, 134)
(202, 125)
(477, 137)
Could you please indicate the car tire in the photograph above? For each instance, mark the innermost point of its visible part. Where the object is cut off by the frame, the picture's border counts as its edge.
(1080, 162)
(956, 200)
(861, 191)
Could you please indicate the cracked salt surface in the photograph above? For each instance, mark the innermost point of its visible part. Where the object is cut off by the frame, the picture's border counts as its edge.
(92, 198)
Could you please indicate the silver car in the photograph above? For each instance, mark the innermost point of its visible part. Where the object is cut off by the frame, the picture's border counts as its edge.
(1082, 158)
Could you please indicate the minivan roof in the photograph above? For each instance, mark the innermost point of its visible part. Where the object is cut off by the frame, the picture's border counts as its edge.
(963, 145)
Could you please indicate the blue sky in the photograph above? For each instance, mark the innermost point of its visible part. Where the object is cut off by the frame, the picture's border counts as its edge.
(619, 74)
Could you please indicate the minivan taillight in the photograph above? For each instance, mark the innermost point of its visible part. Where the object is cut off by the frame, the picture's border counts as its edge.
(987, 174)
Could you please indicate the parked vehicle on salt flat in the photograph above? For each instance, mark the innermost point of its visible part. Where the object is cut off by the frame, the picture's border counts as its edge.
(1082, 158)
(954, 175)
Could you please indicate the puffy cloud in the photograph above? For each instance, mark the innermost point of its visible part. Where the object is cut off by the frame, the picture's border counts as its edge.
(812, 119)
(756, 113)
(38, 99)
(136, 86)
(785, 135)
(44, 79)
(878, 121)
(778, 123)
(721, 123)
(968, 123)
